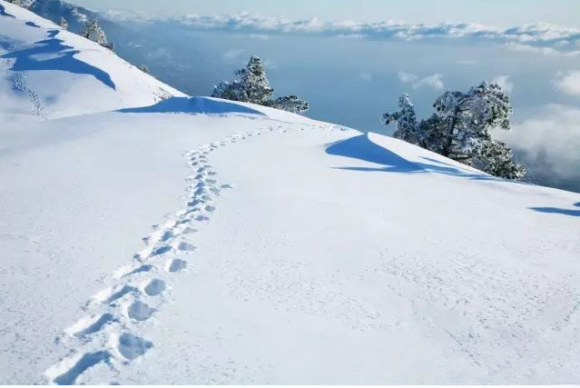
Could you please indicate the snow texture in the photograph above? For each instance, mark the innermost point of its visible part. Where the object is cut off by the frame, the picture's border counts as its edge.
(200, 241)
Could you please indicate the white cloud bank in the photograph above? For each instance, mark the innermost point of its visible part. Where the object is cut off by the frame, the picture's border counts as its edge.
(434, 81)
(548, 144)
(539, 35)
(568, 82)
(504, 82)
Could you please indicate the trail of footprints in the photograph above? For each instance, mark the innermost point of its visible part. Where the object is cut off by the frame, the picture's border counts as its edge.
(107, 335)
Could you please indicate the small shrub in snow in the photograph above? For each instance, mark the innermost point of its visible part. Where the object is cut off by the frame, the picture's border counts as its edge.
(144, 69)
(252, 85)
(461, 128)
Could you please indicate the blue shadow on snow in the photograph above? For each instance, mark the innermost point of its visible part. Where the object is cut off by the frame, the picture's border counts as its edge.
(555, 210)
(62, 58)
(195, 105)
(361, 148)
(3, 12)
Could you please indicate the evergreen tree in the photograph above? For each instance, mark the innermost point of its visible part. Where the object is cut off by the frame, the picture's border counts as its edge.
(406, 120)
(461, 128)
(290, 104)
(63, 23)
(95, 33)
(252, 85)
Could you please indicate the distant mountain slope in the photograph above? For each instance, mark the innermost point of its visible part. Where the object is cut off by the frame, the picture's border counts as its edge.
(61, 74)
(166, 55)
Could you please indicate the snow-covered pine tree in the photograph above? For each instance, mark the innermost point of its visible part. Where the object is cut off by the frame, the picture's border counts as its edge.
(63, 23)
(292, 104)
(470, 117)
(496, 158)
(406, 120)
(252, 85)
(95, 33)
(461, 128)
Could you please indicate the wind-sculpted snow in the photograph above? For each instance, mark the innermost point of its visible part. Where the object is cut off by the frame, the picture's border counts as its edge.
(362, 148)
(52, 54)
(3, 12)
(195, 105)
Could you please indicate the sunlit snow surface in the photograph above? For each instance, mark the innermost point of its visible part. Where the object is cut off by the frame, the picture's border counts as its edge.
(196, 240)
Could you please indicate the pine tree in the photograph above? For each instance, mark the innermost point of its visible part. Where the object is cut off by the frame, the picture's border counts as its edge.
(461, 128)
(292, 104)
(63, 23)
(252, 85)
(95, 33)
(406, 120)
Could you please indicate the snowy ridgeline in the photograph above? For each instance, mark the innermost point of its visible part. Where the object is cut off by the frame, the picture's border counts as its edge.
(195, 240)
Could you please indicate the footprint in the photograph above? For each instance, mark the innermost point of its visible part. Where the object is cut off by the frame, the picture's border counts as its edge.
(186, 247)
(160, 236)
(110, 295)
(155, 287)
(160, 250)
(73, 369)
(189, 230)
(210, 208)
(90, 325)
(177, 265)
(132, 270)
(152, 251)
(140, 311)
(132, 347)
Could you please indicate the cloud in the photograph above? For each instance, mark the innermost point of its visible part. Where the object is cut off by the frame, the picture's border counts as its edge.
(548, 145)
(513, 46)
(367, 77)
(538, 36)
(434, 81)
(233, 55)
(269, 64)
(259, 36)
(504, 82)
(568, 82)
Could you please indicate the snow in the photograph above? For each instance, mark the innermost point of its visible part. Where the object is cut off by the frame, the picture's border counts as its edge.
(61, 74)
(196, 240)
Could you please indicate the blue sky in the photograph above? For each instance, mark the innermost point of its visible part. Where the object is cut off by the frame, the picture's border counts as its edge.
(501, 13)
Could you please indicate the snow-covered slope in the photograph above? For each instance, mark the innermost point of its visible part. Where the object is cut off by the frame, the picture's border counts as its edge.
(53, 73)
(202, 241)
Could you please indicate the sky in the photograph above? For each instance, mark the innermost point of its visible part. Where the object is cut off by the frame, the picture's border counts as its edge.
(500, 13)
